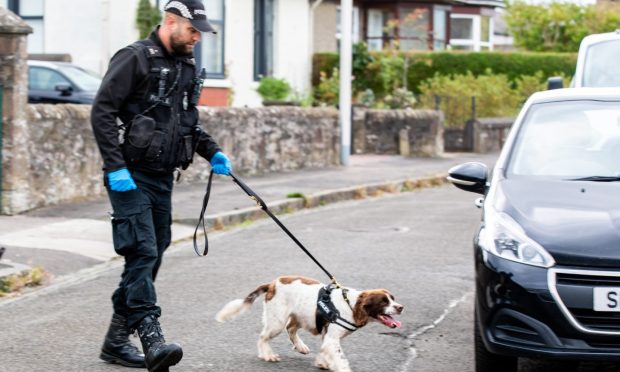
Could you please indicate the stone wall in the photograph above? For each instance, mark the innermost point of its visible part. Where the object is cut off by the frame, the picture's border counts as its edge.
(479, 135)
(379, 131)
(64, 163)
(271, 139)
(14, 131)
(489, 134)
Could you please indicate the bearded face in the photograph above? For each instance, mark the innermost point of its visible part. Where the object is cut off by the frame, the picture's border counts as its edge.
(183, 38)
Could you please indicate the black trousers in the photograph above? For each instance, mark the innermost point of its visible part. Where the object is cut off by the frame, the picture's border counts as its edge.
(141, 233)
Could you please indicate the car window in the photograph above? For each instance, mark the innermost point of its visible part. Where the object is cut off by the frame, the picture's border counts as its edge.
(86, 80)
(601, 65)
(568, 139)
(41, 78)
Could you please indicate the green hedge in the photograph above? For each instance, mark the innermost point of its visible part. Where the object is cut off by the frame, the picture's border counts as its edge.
(423, 66)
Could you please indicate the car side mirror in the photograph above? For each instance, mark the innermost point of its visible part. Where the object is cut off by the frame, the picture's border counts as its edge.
(64, 89)
(555, 82)
(470, 176)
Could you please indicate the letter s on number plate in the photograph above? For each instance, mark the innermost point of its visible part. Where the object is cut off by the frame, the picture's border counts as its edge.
(606, 299)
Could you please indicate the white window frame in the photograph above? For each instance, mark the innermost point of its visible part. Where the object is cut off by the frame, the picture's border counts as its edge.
(475, 42)
(355, 36)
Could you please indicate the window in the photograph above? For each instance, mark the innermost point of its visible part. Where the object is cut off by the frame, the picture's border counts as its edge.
(31, 11)
(413, 28)
(212, 46)
(379, 34)
(440, 27)
(263, 38)
(40, 78)
(407, 25)
(471, 32)
(355, 25)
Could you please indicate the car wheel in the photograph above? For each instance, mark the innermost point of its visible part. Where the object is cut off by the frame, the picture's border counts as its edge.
(487, 361)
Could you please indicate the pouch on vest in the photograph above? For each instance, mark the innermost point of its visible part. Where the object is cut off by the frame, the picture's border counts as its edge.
(139, 138)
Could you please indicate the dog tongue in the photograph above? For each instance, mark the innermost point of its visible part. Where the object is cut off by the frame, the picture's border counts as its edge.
(389, 321)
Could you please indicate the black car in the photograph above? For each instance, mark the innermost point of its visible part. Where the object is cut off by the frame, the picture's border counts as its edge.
(60, 82)
(547, 253)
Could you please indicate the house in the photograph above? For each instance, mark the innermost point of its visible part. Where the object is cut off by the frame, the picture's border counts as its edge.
(259, 37)
(411, 24)
(255, 38)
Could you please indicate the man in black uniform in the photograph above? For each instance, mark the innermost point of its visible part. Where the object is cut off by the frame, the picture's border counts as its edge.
(152, 87)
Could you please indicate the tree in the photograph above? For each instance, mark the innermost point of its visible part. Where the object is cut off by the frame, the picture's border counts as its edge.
(147, 17)
(557, 26)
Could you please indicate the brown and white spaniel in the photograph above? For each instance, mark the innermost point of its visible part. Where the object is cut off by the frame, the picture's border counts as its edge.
(291, 303)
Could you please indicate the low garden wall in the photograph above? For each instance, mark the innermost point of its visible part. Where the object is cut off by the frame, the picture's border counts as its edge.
(420, 132)
(479, 135)
(59, 159)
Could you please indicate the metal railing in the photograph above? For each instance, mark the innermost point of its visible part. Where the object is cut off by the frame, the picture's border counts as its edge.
(457, 110)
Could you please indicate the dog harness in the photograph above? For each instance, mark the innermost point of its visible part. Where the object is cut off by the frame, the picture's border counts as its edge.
(326, 310)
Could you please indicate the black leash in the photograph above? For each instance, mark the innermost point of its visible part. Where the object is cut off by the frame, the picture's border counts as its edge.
(263, 206)
(201, 220)
(326, 310)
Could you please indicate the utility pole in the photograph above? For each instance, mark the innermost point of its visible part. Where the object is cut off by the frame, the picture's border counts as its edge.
(346, 56)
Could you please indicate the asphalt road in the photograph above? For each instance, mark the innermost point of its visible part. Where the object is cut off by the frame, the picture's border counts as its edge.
(417, 245)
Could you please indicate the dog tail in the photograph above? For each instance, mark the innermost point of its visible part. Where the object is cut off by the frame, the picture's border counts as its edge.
(237, 307)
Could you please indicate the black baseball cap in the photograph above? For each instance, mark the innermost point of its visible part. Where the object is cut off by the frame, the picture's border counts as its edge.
(194, 10)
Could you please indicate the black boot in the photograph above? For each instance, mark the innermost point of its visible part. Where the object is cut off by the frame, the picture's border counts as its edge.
(117, 348)
(159, 355)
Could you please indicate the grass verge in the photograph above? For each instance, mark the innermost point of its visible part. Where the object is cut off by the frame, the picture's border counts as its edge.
(29, 278)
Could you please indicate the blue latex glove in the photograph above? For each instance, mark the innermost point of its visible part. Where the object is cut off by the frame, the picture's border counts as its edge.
(221, 164)
(121, 180)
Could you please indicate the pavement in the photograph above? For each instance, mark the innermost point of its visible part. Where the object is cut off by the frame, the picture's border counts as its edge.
(73, 237)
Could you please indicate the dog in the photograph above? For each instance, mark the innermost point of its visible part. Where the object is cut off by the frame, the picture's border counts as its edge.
(291, 302)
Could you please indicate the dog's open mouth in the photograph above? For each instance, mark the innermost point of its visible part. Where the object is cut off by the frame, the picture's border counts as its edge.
(388, 321)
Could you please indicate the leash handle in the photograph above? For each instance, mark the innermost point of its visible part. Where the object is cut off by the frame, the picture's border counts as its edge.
(262, 204)
(201, 220)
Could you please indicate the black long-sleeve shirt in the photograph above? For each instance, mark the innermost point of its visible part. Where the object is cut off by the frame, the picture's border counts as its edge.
(126, 81)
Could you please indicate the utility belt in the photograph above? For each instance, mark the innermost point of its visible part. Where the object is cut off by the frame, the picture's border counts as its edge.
(150, 145)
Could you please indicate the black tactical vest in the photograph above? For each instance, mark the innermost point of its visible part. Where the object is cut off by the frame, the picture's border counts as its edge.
(161, 128)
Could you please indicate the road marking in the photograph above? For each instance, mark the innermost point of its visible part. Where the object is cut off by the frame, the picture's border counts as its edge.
(426, 328)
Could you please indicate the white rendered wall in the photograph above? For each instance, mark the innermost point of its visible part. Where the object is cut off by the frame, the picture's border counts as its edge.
(239, 53)
(291, 50)
(91, 31)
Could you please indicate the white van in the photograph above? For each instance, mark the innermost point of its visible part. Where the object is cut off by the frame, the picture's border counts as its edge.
(598, 62)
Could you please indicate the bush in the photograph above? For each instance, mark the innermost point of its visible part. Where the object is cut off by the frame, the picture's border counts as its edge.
(272, 89)
(323, 62)
(557, 26)
(385, 70)
(147, 17)
(328, 90)
(493, 96)
(401, 98)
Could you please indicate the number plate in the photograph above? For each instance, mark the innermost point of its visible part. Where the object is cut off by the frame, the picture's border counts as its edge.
(607, 299)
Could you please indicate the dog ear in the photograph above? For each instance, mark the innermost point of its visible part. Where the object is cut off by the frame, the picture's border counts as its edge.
(360, 316)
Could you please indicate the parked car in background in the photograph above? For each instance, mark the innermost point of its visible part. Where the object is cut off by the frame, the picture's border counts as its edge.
(597, 62)
(547, 252)
(60, 82)
(597, 65)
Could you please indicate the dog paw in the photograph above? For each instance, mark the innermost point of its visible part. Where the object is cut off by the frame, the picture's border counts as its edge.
(320, 362)
(321, 365)
(302, 348)
(271, 358)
